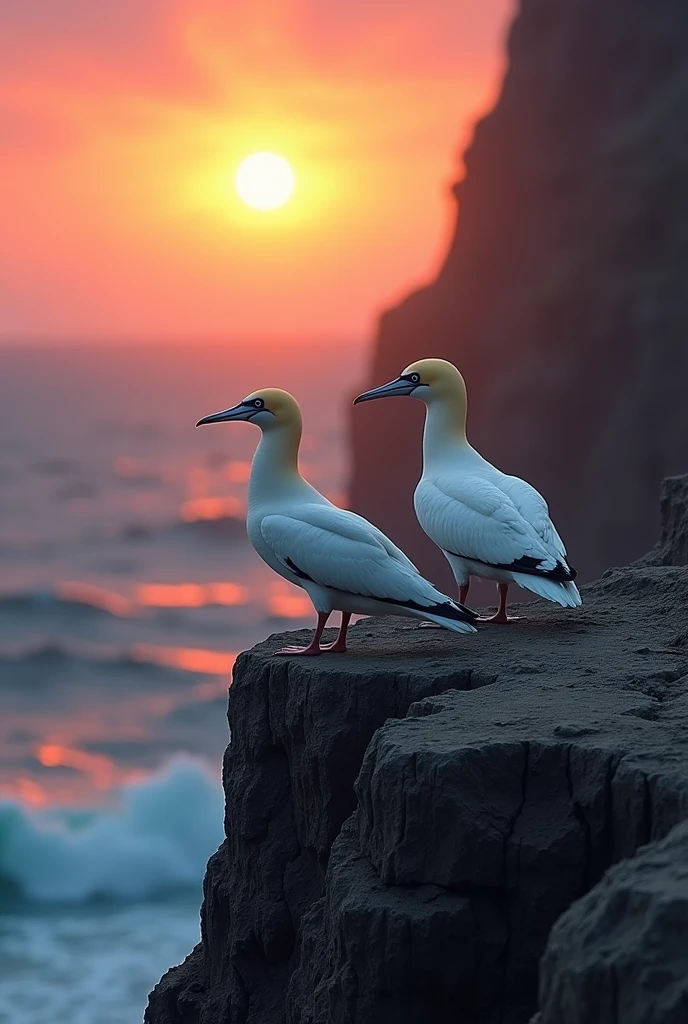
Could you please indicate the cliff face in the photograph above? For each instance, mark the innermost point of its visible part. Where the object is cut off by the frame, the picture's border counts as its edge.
(614, 956)
(406, 824)
(299, 732)
(563, 297)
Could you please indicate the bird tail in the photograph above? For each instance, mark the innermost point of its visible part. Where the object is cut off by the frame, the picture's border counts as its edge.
(565, 594)
(451, 615)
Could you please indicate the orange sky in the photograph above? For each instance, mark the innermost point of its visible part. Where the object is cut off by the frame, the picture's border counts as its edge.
(121, 125)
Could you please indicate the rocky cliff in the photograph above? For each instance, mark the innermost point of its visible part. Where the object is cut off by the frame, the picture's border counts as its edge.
(406, 824)
(563, 297)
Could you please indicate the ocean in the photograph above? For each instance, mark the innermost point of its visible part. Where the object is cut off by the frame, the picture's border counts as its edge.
(127, 586)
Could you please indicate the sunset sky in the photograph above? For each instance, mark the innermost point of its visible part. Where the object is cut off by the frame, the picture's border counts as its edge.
(122, 124)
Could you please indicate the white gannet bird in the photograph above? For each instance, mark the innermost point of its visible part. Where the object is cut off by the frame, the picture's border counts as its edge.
(487, 524)
(342, 562)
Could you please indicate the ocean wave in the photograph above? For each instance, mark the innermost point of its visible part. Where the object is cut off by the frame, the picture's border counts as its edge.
(155, 839)
(56, 466)
(218, 528)
(48, 652)
(74, 598)
(140, 656)
(207, 518)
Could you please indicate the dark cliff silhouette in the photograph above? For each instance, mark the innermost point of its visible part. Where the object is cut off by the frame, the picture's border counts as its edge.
(564, 295)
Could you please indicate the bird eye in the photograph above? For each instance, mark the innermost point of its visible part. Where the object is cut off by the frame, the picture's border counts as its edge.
(259, 403)
(415, 378)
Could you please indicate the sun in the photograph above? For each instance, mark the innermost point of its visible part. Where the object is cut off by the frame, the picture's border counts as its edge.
(264, 181)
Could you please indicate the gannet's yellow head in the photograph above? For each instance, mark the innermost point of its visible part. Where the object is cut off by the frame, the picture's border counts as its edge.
(427, 379)
(268, 408)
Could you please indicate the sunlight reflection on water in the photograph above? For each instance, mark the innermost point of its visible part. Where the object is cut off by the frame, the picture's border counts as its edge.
(128, 586)
(191, 659)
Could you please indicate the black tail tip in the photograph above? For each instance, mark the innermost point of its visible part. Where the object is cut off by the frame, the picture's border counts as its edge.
(458, 612)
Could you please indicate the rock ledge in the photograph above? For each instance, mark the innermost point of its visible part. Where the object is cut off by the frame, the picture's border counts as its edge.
(406, 824)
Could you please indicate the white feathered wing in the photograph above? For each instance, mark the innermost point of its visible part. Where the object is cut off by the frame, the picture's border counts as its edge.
(341, 551)
(505, 526)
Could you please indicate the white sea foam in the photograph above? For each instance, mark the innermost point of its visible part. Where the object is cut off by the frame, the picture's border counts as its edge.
(155, 838)
(90, 964)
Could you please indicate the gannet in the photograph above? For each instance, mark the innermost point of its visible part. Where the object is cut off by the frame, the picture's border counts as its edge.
(341, 560)
(488, 524)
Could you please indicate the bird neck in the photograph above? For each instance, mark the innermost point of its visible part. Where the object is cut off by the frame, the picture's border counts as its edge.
(275, 462)
(445, 426)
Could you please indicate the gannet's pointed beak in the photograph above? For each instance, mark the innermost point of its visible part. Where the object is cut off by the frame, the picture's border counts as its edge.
(243, 411)
(400, 386)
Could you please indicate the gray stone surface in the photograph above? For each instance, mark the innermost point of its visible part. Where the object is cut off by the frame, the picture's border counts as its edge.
(299, 730)
(508, 802)
(621, 952)
(533, 757)
(673, 540)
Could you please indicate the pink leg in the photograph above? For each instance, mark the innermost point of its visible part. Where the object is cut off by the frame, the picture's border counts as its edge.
(314, 646)
(339, 646)
(501, 615)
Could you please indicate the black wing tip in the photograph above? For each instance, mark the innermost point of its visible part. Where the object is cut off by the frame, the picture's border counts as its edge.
(449, 610)
(297, 572)
(468, 612)
(561, 573)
